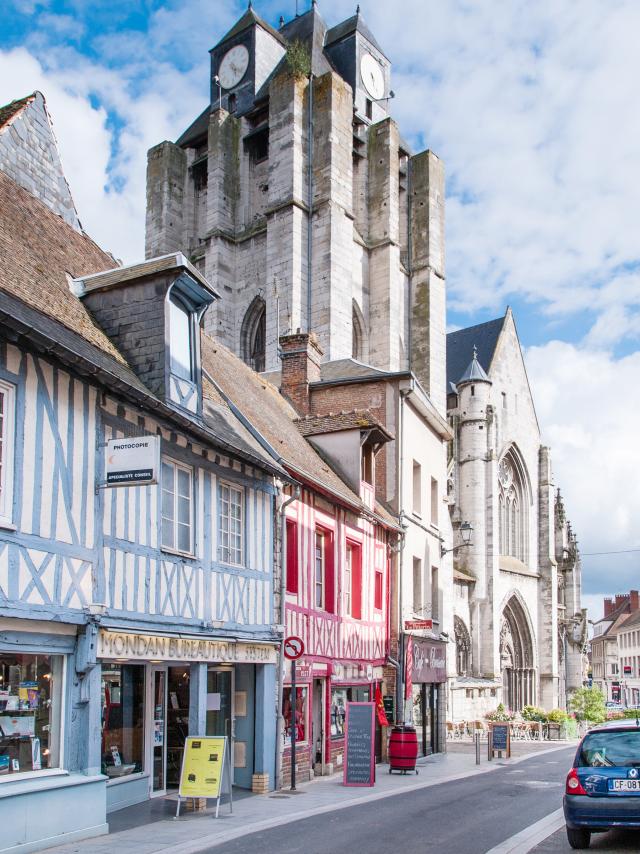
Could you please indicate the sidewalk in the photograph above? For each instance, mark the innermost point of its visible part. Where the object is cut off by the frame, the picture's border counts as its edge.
(193, 833)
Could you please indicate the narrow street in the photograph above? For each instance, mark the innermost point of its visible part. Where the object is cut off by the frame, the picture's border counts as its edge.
(461, 817)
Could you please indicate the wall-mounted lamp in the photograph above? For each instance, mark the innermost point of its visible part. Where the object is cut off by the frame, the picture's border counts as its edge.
(466, 531)
(216, 80)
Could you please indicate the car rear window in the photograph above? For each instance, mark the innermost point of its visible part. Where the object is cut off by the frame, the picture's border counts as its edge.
(610, 748)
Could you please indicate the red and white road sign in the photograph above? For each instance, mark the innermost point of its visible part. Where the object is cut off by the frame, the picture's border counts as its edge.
(293, 647)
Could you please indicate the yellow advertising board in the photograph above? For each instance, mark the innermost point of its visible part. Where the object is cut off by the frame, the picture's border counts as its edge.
(202, 767)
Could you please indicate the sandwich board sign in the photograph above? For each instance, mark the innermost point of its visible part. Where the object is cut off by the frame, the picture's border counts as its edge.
(204, 761)
(360, 763)
(133, 461)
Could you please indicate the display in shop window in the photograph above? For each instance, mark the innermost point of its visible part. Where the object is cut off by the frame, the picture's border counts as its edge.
(30, 712)
(122, 719)
(299, 715)
(339, 699)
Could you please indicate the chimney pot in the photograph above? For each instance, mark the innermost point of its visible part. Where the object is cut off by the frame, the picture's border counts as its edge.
(301, 355)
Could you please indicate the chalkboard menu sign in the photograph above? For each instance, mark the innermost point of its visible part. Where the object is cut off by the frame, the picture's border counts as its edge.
(500, 738)
(359, 765)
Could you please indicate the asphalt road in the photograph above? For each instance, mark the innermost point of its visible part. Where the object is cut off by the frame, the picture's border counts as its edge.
(463, 817)
(614, 842)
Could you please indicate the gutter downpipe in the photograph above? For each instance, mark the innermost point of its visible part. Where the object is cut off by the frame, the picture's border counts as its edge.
(400, 680)
(283, 566)
(310, 200)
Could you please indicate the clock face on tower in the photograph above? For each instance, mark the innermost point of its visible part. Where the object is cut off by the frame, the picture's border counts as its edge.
(233, 66)
(372, 76)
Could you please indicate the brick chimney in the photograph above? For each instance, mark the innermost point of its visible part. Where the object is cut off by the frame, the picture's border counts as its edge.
(608, 607)
(635, 600)
(301, 356)
(621, 599)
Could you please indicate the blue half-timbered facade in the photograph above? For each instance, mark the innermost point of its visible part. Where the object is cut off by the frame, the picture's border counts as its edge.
(130, 616)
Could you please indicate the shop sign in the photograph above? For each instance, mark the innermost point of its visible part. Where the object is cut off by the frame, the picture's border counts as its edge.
(203, 764)
(417, 625)
(303, 672)
(163, 648)
(133, 461)
(429, 660)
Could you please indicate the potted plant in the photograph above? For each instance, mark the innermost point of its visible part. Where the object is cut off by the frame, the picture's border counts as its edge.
(556, 720)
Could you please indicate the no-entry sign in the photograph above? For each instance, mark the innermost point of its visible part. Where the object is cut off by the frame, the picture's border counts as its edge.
(293, 647)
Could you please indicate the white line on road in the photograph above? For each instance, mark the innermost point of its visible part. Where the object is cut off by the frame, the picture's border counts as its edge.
(528, 838)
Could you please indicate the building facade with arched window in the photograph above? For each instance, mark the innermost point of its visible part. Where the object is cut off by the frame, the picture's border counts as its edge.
(510, 585)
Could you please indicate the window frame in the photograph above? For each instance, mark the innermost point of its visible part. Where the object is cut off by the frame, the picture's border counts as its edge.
(176, 299)
(178, 466)
(232, 487)
(7, 452)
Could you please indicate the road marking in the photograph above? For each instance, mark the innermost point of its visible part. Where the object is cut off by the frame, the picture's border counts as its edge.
(531, 836)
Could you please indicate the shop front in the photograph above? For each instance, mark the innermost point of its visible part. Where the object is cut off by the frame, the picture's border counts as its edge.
(429, 677)
(156, 690)
(322, 694)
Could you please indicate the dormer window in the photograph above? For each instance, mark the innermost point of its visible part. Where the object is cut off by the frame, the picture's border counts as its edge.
(180, 338)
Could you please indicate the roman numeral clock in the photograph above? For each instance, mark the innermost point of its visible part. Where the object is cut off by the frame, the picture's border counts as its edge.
(233, 66)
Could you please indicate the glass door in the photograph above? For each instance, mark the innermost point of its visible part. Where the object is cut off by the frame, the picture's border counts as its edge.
(220, 702)
(159, 730)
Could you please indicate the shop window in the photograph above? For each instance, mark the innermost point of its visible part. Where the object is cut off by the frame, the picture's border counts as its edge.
(177, 507)
(354, 571)
(323, 571)
(378, 586)
(300, 714)
(7, 426)
(230, 522)
(292, 556)
(339, 699)
(30, 712)
(122, 719)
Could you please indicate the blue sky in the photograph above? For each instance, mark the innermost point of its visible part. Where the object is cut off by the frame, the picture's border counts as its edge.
(532, 106)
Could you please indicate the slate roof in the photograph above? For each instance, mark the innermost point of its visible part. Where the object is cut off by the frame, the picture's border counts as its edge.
(349, 369)
(249, 19)
(354, 24)
(196, 130)
(475, 372)
(333, 422)
(460, 346)
(10, 110)
(274, 418)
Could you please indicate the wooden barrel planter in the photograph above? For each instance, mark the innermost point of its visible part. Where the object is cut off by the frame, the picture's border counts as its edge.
(403, 749)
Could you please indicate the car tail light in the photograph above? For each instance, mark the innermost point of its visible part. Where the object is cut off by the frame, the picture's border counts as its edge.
(574, 786)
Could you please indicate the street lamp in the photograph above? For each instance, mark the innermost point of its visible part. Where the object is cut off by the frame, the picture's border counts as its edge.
(466, 531)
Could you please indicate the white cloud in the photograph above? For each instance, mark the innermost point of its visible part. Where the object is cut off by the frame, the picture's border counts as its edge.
(587, 402)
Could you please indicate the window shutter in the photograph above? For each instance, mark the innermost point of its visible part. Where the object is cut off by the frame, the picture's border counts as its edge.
(292, 556)
(329, 574)
(356, 582)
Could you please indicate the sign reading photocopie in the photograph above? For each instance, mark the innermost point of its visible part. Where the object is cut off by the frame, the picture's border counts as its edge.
(133, 461)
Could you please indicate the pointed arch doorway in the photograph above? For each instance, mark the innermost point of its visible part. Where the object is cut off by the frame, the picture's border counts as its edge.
(517, 661)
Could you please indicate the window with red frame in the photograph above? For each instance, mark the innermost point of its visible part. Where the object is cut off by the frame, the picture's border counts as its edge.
(292, 556)
(377, 590)
(353, 579)
(323, 571)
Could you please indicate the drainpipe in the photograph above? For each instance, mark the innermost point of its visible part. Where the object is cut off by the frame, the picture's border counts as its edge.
(283, 588)
(400, 681)
(409, 262)
(309, 200)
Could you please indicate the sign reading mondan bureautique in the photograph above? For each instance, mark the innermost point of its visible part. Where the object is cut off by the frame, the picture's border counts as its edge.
(161, 648)
(133, 461)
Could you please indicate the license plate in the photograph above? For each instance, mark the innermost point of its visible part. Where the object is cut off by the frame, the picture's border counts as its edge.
(625, 786)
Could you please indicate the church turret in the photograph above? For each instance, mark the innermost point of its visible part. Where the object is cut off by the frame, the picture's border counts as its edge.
(474, 387)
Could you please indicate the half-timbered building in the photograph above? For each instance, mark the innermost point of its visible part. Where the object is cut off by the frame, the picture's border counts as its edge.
(337, 557)
(130, 615)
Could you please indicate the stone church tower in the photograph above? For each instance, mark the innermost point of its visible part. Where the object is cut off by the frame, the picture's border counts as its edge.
(295, 194)
(519, 626)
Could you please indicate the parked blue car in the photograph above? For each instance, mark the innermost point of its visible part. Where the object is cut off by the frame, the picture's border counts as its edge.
(603, 786)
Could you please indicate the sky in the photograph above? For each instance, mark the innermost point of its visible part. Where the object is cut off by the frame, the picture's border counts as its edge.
(534, 109)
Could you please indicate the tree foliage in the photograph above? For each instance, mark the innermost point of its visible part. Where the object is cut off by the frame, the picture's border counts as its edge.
(588, 705)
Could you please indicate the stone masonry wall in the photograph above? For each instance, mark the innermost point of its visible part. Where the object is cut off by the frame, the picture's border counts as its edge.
(29, 155)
